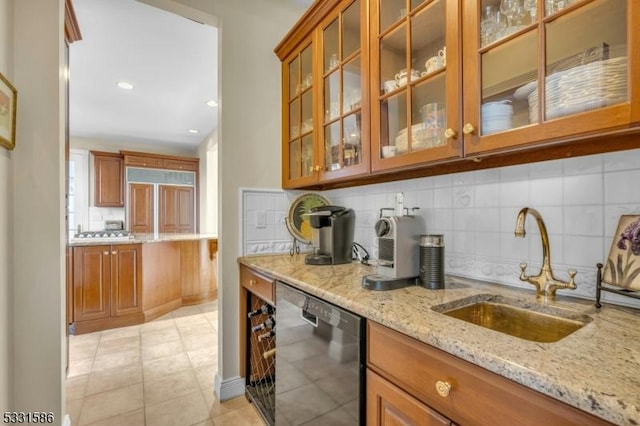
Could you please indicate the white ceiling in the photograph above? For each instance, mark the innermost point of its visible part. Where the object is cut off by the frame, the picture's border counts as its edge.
(171, 61)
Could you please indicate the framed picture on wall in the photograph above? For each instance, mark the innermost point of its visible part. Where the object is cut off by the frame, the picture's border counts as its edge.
(623, 264)
(8, 104)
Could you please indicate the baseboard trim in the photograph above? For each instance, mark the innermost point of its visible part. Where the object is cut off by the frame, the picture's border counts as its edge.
(228, 388)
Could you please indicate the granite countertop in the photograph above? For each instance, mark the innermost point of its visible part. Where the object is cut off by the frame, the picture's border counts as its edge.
(596, 369)
(139, 239)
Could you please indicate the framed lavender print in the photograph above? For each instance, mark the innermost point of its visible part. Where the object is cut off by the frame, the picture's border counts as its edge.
(623, 264)
(8, 103)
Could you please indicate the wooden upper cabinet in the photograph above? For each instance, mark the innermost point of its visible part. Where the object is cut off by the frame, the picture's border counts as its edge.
(445, 80)
(326, 122)
(415, 82)
(158, 161)
(549, 72)
(109, 179)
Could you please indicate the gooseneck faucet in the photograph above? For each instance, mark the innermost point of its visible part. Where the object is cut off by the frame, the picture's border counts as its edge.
(546, 284)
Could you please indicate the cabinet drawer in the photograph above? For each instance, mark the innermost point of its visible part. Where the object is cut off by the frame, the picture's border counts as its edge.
(476, 396)
(133, 160)
(257, 284)
(180, 165)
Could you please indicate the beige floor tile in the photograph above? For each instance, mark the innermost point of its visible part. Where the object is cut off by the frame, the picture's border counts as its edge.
(118, 344)
(75, 387)
(246, 416)
(134, 418)
(118, 333)
(211, 317)
(114, 378)
(205, 423)
(84, 338)
(206, 376)
(186, 311)
(203, 327)
(188, 409)
(193, 342)
(161, 367)
(170, 387)
(112, 403)
(196, 319)
(83, 350)
(161, 350)
(107, 361)
(208, 307)
(203, 357)
(156, 337)
(80, 367)
(157, 324)
(73, 408)
(217, 408)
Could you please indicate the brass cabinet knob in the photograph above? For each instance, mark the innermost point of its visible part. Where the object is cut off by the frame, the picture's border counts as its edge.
(106, 253)
(443, 388)
(252, 283)
(450, 133)
(311, 169)
(318, 168)
(114, 252)
(468, 129)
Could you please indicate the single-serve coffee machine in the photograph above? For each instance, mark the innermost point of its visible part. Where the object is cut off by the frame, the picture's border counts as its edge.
(333, 228)
(398, 252)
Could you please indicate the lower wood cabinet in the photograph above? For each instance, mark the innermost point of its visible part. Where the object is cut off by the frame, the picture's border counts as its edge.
(426, 378)
(107, 284)
(388, 405)
(111, 288)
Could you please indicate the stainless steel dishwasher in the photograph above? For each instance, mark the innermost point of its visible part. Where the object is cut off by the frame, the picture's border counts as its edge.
(320, 362)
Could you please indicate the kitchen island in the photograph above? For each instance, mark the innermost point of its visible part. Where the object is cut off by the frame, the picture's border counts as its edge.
(126, 281)
(595, 369)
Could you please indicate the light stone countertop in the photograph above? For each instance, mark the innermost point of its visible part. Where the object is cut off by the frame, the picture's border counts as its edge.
(139, 239)
(596, 369)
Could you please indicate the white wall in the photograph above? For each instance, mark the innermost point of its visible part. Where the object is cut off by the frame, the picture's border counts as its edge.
(208, 154)
(6, 237)
(38, 206)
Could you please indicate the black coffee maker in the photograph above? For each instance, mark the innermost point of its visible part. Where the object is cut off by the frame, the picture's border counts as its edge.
(333, 228)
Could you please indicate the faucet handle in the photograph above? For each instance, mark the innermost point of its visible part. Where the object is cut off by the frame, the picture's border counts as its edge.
(523, 266)
(572, 275)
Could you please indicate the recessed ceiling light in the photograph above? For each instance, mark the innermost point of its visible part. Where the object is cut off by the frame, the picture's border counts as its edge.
(194, 131)
(212, 103)
(124, 85)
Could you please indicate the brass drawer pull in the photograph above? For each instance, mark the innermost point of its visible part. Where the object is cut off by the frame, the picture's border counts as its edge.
(114, 252)
(443, 388)
(106, 253)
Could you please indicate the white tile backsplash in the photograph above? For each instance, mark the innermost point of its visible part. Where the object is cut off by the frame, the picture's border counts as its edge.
(580, 199)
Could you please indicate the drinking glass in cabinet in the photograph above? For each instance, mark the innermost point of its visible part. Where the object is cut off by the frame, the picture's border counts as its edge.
(332, 147)
(330, 45)
(391, 11)
(294, 78)
(552, 6)
(307, 155)
(393, 118)
(351, 140)
(332, 96)
(492, 23)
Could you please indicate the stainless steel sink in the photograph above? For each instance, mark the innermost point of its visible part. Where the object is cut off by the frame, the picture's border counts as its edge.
(515, 318)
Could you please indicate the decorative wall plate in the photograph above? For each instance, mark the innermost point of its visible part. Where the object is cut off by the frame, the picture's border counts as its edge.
(298, 225)
(623, 264)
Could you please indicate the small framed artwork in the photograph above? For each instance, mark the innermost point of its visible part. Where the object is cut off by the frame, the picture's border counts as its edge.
(623, 264)
(8, 104)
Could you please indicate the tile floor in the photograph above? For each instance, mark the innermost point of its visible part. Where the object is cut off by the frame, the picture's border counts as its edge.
(154, 374)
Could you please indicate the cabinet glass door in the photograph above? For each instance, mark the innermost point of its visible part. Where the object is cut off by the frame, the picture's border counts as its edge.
(344, 152)
(300, 121)
(543, 62)
(415, 82)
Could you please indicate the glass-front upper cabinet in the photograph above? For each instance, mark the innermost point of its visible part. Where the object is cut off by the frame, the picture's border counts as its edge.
(344, 121)
(415, 85)
(548, 69)
(298, 150)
